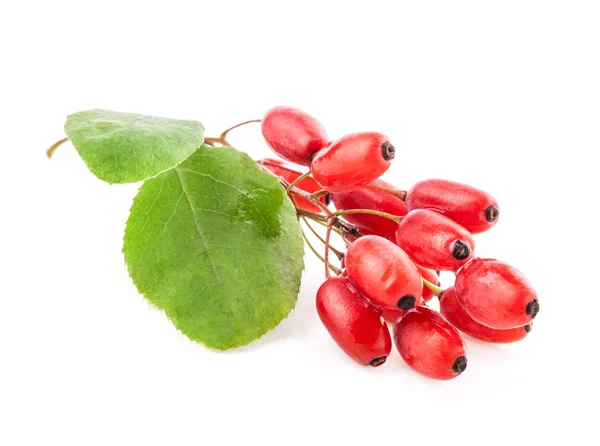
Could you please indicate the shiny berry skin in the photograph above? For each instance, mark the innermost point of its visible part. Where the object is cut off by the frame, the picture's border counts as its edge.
(288, 173)
(363, 198)
(496, 294)
(353, 324)
(293, 134)
(475, 210)
(432, 277)
(392, 314)
(352, 161)
(455, 314)
(435, 241)
(429, 344)
(383, 273)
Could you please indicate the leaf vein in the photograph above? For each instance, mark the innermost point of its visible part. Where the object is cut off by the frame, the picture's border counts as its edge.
(198, 229)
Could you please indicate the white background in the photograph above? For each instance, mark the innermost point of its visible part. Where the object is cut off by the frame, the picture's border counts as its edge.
(501, 95)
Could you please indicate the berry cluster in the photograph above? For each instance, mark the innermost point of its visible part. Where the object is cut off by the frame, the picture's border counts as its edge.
(397, 242)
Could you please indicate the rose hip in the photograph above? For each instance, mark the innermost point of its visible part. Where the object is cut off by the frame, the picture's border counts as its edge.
(472, 208)
(352, 161)
(429, 344)
(451, 309)
(383, 273)
(496, 294)
(353, 324)
(377, 200)
(288, 173)
(434, 241)
(293, 134)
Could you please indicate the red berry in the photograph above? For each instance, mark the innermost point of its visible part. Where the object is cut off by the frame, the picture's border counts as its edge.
(472, 208)
(352, 161)
(430, 344)
(496, 294)
(288, 173)
(293, 134)
(364, 198)
(435, 241)
(383, 273)
(393, 314)
(457, 316)
(353, 324)
(432, 277)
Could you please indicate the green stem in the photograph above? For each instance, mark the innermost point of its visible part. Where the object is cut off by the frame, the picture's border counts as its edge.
(224, 134)
(212, 141)
(266, 162)
(434, 288)
(327, 246)
(371, 212)
(319, 256)
(291, 188)
(335, 251)
(55, 146)
(401, 194)
(334, 229)
(318, 194)
(297, 180)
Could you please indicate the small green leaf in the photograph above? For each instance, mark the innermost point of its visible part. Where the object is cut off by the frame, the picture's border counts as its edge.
(215, 243)
(125, 147)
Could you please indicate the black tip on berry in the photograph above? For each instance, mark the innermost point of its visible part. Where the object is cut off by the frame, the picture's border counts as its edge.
(378, 361)
(528, 327)
(460, 364)
(388, 151)
(461, 250)
(533, 308)
(492, 213)
(438, 272)
(327, 199)
(407, 302)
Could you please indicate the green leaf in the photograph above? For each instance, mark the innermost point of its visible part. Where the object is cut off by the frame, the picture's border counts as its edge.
(215, 243)
(125, 147)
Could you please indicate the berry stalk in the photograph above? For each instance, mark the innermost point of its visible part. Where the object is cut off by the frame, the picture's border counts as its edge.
(371, 212)
(436, 290)
(55, 146)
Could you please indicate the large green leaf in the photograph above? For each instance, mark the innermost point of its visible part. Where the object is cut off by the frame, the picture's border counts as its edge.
(216, 244)
(125, 147)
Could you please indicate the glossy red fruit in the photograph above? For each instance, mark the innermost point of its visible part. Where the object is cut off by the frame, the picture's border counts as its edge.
(392, 314)
(451, 309)
(353, 324)
(432, 277)
(435, 241)
(496, 294)
(365, 198)
(352, 161)
(288, 173)
(383, 273)
(430, 344)
(293, 134)
(472, 208)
